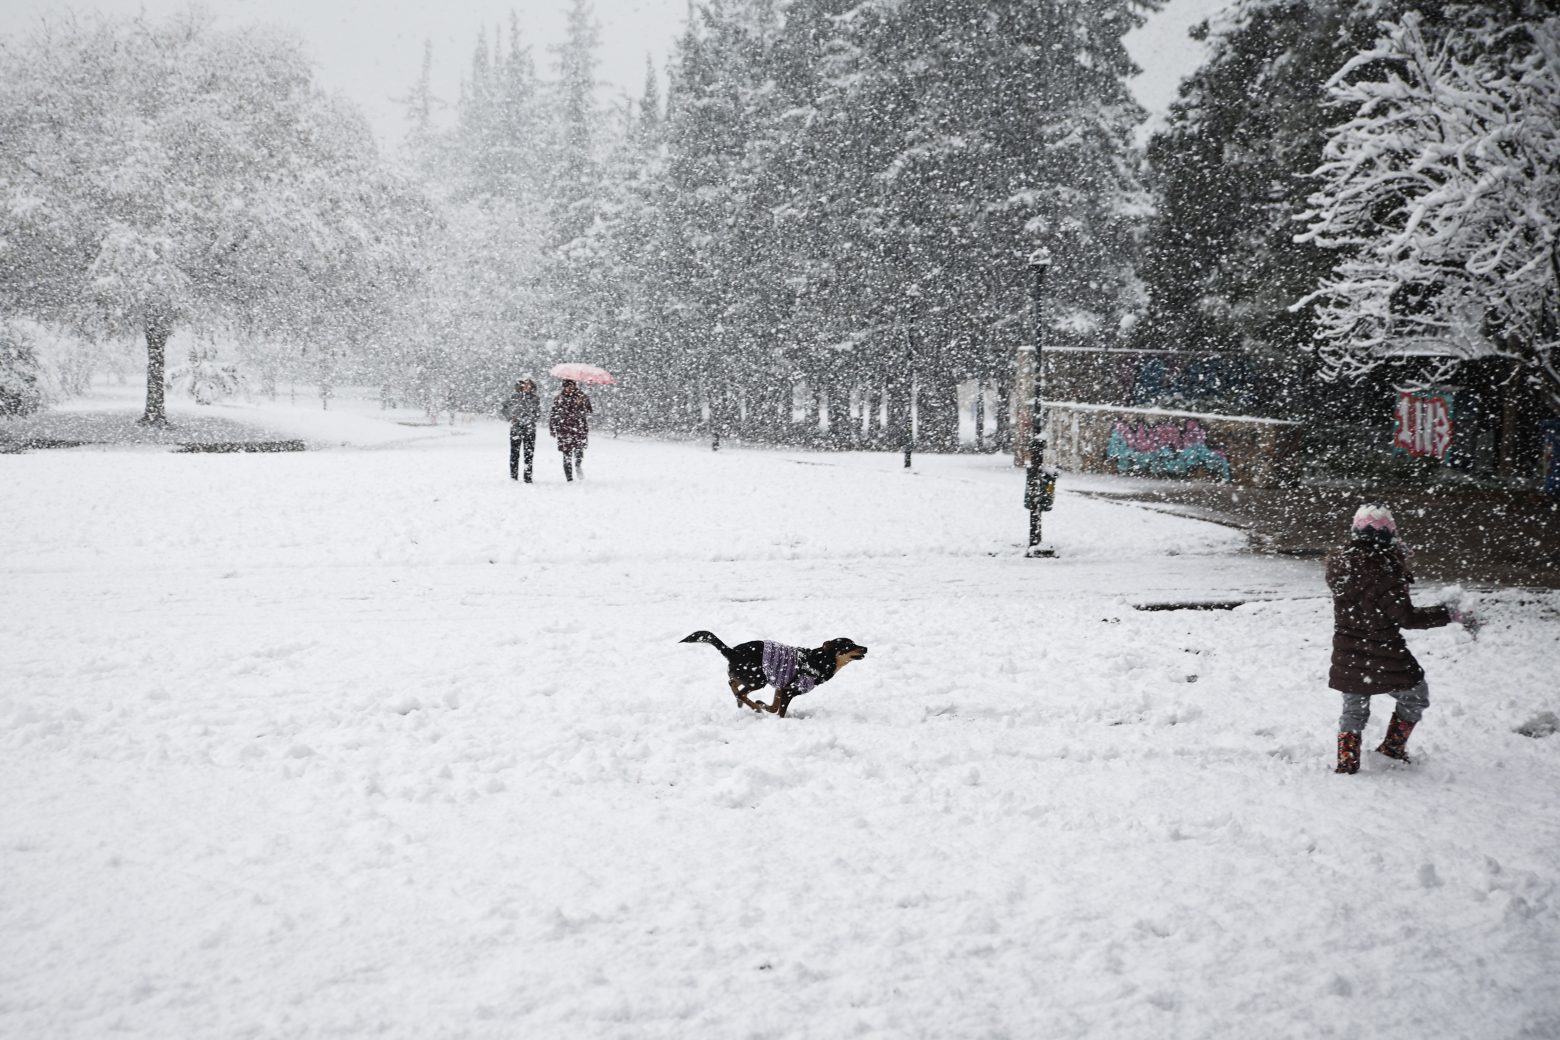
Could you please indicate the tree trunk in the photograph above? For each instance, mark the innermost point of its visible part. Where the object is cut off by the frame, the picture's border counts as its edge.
(157, 333)
(939, 415)
(980, 415)
(775, 414)
(809, 417)
(1509, 461)
(897, 397)
(1002, 435)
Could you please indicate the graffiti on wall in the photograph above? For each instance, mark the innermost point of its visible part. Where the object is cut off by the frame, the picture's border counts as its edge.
(1423, 425)
(1166, 449)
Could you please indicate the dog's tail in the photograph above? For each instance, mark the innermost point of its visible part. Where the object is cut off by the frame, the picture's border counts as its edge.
(711, 638)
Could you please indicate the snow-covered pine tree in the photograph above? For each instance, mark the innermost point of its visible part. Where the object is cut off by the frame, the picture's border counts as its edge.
(576, 59)
(676, 265)
(518, 136)
(992, 129)
(648, 112)
(823, 157)
(1442, 193)
(627, 336)
(717, 265)
(496, 292)
(422, 143)
(477, 126)
(1220, 264)
(575, 195)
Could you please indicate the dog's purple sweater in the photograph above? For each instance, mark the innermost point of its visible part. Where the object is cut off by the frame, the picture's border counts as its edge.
(782, 667)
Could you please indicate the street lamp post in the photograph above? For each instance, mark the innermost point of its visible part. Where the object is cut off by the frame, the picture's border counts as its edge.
(1039, 482)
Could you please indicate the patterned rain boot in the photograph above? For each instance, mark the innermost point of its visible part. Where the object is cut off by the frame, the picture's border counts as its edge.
(1396, 744)
(1348, 753)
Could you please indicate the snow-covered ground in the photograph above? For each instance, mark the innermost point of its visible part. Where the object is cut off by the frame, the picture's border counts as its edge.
(371, 741)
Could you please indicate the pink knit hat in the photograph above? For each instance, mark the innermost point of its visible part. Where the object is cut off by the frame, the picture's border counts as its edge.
(1374, 523)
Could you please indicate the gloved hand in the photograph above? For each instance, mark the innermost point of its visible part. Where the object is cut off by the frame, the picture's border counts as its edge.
(1467, 620)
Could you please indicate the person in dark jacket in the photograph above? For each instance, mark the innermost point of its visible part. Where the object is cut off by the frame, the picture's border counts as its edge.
(569, 422)
(522, 408)
(1369, 580)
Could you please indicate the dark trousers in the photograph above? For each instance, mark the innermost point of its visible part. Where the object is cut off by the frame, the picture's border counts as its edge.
(522, 437)
(573, 462)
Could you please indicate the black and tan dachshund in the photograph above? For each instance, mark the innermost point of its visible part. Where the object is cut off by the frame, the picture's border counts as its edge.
(791, 670)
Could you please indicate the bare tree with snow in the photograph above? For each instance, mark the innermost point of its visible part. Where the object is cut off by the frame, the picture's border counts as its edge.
(1443, 193)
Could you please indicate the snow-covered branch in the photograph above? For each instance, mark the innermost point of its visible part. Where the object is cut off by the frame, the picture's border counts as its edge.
(1443, 194)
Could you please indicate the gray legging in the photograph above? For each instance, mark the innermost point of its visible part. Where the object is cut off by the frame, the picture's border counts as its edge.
(1411, 705)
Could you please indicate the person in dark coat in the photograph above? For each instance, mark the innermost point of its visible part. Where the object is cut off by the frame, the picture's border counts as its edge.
(569, 422)
(522, 408)
(1369, 580)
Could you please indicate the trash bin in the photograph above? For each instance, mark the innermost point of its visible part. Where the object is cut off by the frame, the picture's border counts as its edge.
(1041, 491)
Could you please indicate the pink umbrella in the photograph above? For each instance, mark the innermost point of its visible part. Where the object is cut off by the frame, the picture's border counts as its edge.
(581, 373)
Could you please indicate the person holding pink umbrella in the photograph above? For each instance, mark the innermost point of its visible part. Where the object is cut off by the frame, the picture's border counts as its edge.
(569, 424)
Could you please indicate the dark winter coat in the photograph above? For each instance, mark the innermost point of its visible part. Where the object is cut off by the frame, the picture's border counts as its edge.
(522, 409)
(1370, 608)
(569, 420)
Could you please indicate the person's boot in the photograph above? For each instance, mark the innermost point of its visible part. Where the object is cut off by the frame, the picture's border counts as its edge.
(1396, 744)
(579, 465)
(1348, 753)
(568, 470)
(528, 474)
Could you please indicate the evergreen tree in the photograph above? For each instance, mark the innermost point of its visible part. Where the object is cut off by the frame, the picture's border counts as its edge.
(1221, 264)
(574, 192)
(908, 156)
(515, 143)
(648, 125)
(421, 141)
(828, 175)
(576, 66)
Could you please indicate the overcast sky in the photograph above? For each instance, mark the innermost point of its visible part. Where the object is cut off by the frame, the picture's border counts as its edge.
(370, 50)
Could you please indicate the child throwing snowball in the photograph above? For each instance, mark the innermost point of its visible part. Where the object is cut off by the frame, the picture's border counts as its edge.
(1369, 579)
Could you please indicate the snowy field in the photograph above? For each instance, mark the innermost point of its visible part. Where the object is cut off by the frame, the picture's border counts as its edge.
(369, 741)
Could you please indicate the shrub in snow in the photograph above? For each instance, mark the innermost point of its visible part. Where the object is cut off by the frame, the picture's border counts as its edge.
(205, 378)
(21, 391)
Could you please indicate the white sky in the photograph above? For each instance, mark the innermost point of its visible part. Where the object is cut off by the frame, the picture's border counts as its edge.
(1165, 53)
(370, 50)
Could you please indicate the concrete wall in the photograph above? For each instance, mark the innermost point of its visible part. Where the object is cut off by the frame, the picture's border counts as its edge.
(1090, 438)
